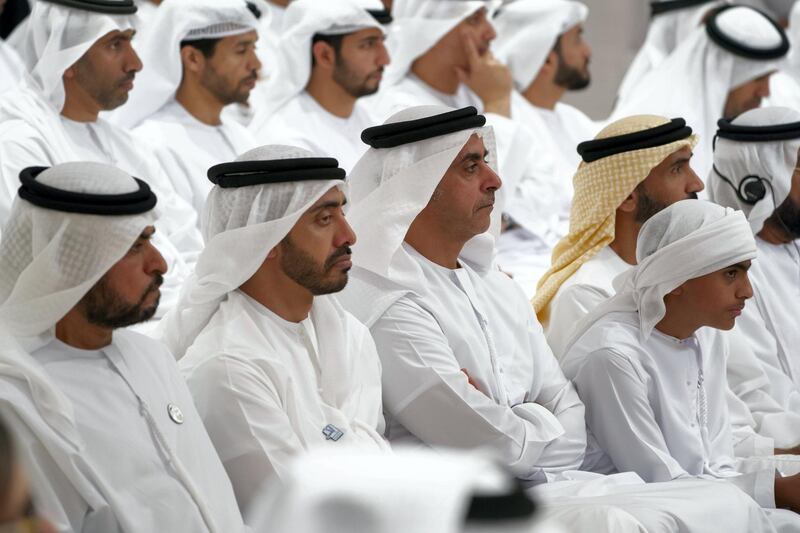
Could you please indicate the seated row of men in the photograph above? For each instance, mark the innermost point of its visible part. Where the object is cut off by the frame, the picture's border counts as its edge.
(328, 74)
(427, 344)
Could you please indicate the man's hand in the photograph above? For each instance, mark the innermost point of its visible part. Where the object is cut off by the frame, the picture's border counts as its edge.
(787, 493)
(470, 381)
(788, 451)
(490, 79)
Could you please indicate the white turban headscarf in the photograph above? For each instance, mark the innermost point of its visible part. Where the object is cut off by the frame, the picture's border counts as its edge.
(392, 186)
(56, 37)
(176, 21)
(527, 30)
(772, 160)
(687, 240)
(48, 261)
(240, 226)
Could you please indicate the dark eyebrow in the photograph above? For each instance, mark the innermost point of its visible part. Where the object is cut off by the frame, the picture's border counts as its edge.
(329, 205)
(147, 233)
(742, 266)
(475, 156)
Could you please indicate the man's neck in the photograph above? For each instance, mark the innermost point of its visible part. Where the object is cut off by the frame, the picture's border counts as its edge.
(74, 330)
(442, 78)
(434, 246)
(200, 103)
(330, 95)
(80, 107)
(677, 324)
(544, 93)
(626, 231)
(277, 292)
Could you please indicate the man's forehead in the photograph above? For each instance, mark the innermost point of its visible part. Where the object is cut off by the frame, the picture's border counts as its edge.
(117, 34)
(474, 144)
(334, 194)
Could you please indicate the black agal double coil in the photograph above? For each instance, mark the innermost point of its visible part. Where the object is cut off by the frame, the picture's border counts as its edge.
(246, 173)
(721, 39)
(674, 130)
(109, 7)
(399, 133)
(48, 197)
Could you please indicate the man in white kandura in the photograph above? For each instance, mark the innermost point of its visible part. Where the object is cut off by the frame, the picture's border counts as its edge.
(331, 56)
(108, 433)
(650, 362)
(81, 62)
(465, 363)
(200, 57)
(724, 67)
(671, 22)
(756, 170)
(275, 365)
(542, 43)
(640, 182)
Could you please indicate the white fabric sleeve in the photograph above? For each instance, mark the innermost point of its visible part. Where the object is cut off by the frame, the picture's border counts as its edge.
(569, 305)
(619, 415)
(426, 391)
(249, 427)
(53, 494)
(558, 395)
(771, 396)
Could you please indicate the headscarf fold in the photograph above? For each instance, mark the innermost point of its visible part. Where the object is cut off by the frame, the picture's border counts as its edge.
(527, 31)
(687, 240)
(600, 187)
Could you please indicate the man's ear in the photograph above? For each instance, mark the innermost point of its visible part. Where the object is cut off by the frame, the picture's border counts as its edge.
(193, 59)
(629, 204)
(550, 65)
(678, 291)
(69, 73)
(324, 55)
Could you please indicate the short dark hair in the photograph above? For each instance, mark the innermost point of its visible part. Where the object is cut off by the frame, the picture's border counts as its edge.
(334, 41)
(206, 46)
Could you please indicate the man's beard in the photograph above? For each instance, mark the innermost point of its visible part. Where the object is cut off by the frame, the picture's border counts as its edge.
(104, 307)
(647, 206)
(220, 88)
(571, 78)
(301, 268)
(787, 215)
(107, 97)
(351, 82)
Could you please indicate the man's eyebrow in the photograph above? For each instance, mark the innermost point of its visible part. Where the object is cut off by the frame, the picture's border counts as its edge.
(475, 156)
(742, 266)
(329, 205)
(147, 233)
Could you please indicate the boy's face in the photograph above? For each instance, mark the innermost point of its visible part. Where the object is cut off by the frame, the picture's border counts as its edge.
(716, 299)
